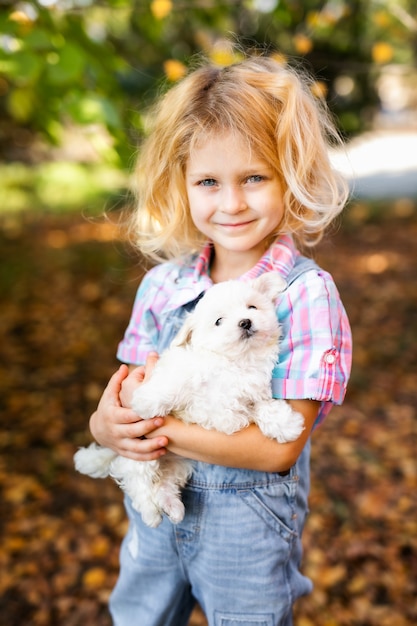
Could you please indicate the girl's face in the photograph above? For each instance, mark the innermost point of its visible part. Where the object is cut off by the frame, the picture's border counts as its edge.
(235, 200)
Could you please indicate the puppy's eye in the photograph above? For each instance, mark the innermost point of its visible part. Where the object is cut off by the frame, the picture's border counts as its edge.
(252, 306)
(218, 322)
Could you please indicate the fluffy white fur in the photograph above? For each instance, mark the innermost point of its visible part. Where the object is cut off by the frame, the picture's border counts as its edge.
(216, 373)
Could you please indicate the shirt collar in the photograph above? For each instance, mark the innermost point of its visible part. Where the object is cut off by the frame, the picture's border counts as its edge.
(195, 277)
(202, 263)
(280, 257)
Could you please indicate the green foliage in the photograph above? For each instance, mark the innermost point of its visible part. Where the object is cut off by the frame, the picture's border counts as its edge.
(65, 62)
(62, 186)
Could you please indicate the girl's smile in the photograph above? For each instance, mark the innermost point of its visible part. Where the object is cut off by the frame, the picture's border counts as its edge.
(235, 200)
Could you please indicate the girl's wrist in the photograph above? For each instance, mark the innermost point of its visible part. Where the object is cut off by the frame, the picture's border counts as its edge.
(92, 426)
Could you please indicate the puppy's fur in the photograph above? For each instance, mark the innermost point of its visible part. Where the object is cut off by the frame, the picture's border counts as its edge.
(216, 373)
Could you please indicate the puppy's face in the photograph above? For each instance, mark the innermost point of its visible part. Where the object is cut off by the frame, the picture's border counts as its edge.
(235, 316)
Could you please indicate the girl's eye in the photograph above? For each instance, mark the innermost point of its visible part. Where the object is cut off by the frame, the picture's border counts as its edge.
(218, 322)
(252, 306)
(256, 178)
(207, 182)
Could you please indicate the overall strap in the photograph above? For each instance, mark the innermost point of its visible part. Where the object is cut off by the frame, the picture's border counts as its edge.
(303, 264)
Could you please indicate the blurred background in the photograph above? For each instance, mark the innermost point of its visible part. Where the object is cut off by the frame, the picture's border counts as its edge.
(76, 80)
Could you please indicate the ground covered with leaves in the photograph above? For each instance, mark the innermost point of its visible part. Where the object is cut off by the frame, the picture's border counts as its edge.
(66, 290)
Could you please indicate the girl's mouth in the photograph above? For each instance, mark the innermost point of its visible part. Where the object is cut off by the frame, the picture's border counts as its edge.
(237, 225)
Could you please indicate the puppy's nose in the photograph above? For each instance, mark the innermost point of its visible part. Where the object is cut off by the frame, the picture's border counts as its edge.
(246, 324)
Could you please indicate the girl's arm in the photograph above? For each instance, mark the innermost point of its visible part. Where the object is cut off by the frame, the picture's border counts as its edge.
(120, 429)
(248, 448)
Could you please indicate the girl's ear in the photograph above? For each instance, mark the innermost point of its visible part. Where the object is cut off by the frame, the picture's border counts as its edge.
(270, 284)
(183, 337)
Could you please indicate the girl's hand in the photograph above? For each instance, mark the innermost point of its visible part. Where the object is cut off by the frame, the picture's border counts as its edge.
(120, 429)
(137, 375)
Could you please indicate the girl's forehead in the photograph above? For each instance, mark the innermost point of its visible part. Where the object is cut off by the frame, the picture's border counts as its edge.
(203, 136)
(224, 140)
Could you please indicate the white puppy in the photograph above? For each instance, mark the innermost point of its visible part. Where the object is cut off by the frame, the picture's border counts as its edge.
(216, 373)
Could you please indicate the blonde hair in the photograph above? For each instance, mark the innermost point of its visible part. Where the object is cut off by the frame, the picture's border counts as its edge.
(264, 101)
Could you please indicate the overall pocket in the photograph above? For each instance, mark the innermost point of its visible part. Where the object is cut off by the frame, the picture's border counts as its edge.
(235, 619)
(274, 504)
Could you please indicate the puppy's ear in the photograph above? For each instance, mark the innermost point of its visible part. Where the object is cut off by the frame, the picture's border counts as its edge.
(271, 284)
(183, 337)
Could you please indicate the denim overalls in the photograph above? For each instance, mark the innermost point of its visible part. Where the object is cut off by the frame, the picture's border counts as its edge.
(237, 551)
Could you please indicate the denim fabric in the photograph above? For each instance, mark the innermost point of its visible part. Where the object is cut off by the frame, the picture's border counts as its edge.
(237, 551)
(172, 323)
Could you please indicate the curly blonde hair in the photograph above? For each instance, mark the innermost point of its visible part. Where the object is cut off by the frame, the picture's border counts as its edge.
(269, 104)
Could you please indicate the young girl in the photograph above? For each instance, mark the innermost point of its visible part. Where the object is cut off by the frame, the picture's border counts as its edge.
(234, 171)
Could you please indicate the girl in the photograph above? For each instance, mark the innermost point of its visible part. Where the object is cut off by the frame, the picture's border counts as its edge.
(234, 171)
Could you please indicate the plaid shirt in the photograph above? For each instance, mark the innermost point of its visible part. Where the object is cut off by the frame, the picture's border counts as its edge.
(316, 344)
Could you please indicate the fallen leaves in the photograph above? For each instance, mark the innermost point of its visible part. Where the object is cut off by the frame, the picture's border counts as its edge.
(66, 290)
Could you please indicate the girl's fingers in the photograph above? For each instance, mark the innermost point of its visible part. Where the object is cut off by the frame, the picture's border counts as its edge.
(143, 449)
(118, 377)
(151, 361)
(124, 417)
(120, 428)
(130, 384)
(112, 390)
(136, 429)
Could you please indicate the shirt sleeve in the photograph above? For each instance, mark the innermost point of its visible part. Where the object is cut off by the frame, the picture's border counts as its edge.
(316, 343)
(141, 336)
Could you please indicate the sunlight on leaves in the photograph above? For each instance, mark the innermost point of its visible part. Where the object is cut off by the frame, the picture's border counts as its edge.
(302, 43)
(382, 52)
(174, 70)
(161, 8)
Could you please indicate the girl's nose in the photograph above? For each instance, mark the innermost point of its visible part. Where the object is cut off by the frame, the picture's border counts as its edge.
(233, 199)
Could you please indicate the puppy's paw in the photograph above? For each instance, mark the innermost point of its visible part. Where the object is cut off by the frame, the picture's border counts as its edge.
(94, 461)
(168, 496)
(145, 403)
(277, 420)
(151, 517)
(175, 511)
(291, 427)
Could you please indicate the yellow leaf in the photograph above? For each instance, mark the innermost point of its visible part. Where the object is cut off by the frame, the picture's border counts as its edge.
(222, 56)
(94, 577)
(25, 22)
(382, 52)
(279, 58)
(174, 69)
(14, 544)
(161, 8)
(358, 584)
(20, 17)
(303, 44)
(330, 576)
(381, 19)
(100, 546)
(319, 89)
(313, 18)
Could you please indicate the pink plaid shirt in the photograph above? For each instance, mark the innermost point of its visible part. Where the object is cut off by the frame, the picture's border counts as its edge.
(316, 344)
